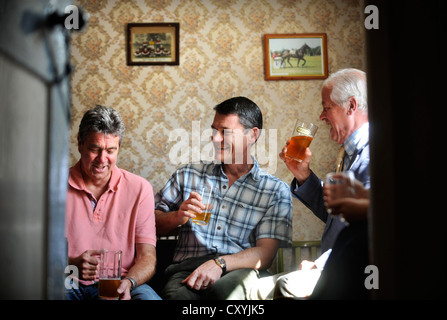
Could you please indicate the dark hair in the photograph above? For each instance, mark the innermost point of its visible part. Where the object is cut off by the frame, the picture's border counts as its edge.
(250, 115)
(101, 119)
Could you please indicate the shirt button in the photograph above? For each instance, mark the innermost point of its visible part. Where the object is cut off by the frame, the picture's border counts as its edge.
(219, 227)
(224, 187)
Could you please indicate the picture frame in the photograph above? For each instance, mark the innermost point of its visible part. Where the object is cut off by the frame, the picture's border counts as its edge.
(300, 56)
(153, 44)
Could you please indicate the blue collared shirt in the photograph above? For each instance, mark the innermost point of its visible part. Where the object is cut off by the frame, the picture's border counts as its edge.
(355, 142)
(256, 206)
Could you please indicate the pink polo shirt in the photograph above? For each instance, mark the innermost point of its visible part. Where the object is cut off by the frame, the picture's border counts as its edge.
(124, 216)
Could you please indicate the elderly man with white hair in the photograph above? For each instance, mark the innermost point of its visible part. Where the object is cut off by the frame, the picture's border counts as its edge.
(345, 110)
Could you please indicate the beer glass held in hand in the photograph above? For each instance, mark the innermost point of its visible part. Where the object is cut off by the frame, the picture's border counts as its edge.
(339, 185)
(109, 274)
(302, 136)
(203, 218)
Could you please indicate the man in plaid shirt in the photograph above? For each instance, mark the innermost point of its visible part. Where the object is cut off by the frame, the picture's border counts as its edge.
(252, 219)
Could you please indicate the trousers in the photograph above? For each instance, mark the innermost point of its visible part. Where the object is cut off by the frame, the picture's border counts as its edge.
(142, 292)
(234, 285)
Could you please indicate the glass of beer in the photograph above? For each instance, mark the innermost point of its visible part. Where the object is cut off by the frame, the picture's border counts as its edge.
(109, 274)
(203, 218)
(302, 136)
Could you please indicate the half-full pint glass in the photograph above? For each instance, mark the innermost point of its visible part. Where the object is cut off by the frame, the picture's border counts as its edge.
(109, 274)
(302, 136)
(203, 218)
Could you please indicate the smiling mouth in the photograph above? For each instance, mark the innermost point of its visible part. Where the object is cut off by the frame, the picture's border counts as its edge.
(99, 169)
(222, 147)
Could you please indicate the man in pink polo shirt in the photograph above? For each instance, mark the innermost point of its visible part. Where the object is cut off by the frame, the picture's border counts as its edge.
(108, 208)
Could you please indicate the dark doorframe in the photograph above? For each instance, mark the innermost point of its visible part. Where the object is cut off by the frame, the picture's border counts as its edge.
(407, 103)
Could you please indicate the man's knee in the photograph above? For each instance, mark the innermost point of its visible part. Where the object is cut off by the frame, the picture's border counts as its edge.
(234, 285)
(175, 290)
(144, 292)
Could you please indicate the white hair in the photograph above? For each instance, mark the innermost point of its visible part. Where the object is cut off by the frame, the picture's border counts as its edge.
(348, 83)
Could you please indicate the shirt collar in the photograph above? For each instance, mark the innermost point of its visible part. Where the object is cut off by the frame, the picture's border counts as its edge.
(254, 171)
(357, 139)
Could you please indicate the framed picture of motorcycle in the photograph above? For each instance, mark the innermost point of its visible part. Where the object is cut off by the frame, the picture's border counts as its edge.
(153, 43)
(300, 56)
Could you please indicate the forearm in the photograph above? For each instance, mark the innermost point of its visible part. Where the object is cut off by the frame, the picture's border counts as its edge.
(259, 257)
(166, 222)
(144, 267)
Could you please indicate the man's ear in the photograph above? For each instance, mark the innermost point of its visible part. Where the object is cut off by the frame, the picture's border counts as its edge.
(254, 135)
(352, 105)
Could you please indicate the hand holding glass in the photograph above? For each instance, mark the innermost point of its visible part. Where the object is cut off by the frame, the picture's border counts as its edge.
(339, 185)
(302, 136)
(203, 218)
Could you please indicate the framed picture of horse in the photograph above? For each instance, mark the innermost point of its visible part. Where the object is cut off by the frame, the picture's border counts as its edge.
(300, 56)
(153, 43)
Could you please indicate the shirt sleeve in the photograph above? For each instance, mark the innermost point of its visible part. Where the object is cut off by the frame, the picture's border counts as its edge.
(277, 222)
(145, 221)
(170, 197)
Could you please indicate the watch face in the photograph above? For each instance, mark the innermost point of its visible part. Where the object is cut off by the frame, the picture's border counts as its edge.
(221, 262)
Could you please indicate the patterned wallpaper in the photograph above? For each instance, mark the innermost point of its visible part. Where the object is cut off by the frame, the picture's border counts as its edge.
(167, 108)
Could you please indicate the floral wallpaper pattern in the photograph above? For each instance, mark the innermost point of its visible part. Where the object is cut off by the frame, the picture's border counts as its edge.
(221, 56)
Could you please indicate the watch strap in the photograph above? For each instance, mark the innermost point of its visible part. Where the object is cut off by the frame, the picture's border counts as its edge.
(133, 283)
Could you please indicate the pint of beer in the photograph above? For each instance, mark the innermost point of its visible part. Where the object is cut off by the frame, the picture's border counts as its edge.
(203, 218)
(109, 274)
(302, 136)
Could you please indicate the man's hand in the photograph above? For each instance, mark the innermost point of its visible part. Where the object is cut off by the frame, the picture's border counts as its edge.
(300, 170)
(168, 222)
(353, 208)
(350, 208)
(124, 289)
(192, 204)
(87, 264)
(141, 271)
(204, 276)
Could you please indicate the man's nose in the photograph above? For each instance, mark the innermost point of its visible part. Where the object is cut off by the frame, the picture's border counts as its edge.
(322, 116)
(217, 136)
(102, 156)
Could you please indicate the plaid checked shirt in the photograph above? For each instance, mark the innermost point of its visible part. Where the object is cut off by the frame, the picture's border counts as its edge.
(258, 205)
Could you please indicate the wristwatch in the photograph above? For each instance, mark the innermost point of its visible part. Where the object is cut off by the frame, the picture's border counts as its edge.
(133, 283)
(221, 263)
